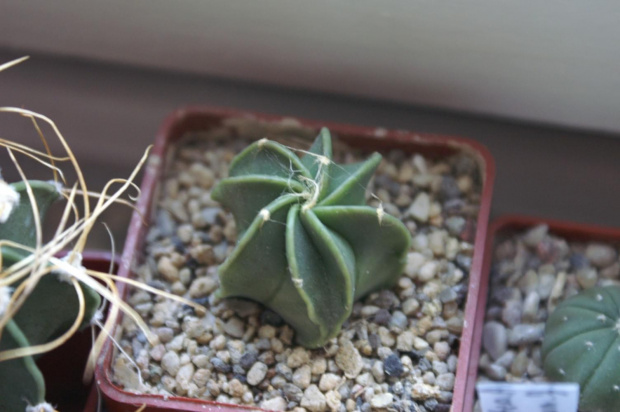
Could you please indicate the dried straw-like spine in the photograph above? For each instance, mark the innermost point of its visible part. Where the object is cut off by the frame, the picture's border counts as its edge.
(19, 279)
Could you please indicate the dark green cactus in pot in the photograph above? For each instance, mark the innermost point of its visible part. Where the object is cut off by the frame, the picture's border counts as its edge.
(308, 245)
(582, 345)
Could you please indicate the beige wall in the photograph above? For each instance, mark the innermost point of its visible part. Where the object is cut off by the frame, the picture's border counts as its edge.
(553, 61)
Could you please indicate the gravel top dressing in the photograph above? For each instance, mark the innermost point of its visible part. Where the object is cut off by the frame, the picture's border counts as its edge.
(399, 348)
(532, 272)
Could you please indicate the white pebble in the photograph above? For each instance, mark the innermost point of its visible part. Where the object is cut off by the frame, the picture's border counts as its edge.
(171, 363)
(257, 373)
(420, 208)
(329, 381)
(382, 401)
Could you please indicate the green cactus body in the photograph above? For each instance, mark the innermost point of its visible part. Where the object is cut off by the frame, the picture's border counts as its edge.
(49, 311)
(582, 344)
(308, 245)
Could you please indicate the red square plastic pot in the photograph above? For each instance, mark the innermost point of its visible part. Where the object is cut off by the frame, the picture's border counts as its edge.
(503, 228)
(198, 119)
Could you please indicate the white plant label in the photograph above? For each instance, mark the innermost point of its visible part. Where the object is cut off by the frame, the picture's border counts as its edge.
(528, 397)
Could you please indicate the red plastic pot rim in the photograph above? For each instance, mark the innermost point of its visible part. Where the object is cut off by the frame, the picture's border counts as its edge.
(514, 224)
(193, 118)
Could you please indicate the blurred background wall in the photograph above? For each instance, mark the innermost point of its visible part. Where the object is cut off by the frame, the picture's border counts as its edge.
(536, 82)
(554, 61)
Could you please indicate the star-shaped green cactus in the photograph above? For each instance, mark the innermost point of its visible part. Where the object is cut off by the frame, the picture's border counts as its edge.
(308, 245)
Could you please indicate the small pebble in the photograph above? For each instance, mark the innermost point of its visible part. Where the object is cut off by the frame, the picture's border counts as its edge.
(494, 339)
(298, 357)
(302, 376)
(220, 365)
(171, 363)
(274, 404)
(420, 208)
(257, 373)
(329, 381)
(313, 399)
(292, 392)
(392, 366)
(349, 359)
(382, 401)
(445, 381)
(601, 255)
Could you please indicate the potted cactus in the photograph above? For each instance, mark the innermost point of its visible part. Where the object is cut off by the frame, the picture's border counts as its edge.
(544, 279)
(305, 241)
(581, 345)
(50, 288)
(52, 306)
(326, 248)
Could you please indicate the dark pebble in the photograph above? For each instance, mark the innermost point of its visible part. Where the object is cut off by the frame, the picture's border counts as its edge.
(532, 262)
(454, 206)
(204, 237)
(386, 299)
(386, 182)
(414, 355)
(461, 292)
(442, 407)
(374, 341)
(465, 165)
(359, 402)
(238, 369)
(179, 246)
(241, 378)
(393, 366)
(453, 340)
(413, 406)
(204, 301)
(263, 344)
(579, 261)
(269, 317)
(219, 365)
(445, 397)
(186, 309)
(292, 392)
(192, 264)
(448, 189)
(399, 320)
(157, 284)
(424, 364)
(136, 347)
(165, 223)
(431, 404)
(463, 262)
(382, 317)
(141, 337)
(247, 360)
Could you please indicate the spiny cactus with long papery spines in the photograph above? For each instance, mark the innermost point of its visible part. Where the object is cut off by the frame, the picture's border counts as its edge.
(582, 345)
(308, 245)
(50, 309)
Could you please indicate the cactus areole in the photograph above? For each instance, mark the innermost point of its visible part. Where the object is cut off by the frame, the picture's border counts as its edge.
(308, 245)
(582, 344)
